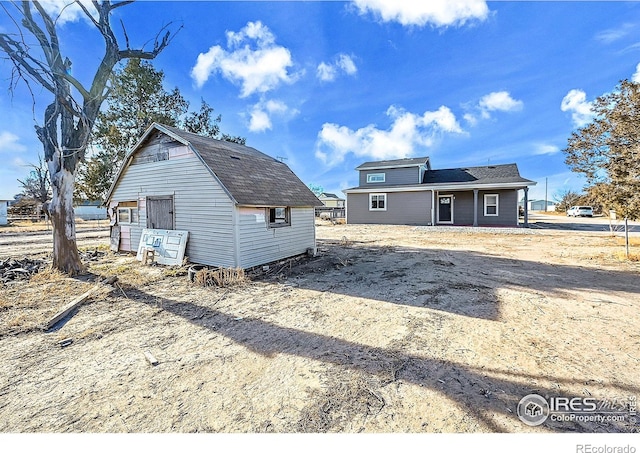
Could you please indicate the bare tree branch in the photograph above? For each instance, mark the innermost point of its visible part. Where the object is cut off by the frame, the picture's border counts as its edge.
(68, 120)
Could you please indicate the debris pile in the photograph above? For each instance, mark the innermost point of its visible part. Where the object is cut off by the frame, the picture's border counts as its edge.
(20, 269)
(91, 255)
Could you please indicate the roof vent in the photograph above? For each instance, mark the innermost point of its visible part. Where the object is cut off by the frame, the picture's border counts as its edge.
(235, 157)
(491, 166)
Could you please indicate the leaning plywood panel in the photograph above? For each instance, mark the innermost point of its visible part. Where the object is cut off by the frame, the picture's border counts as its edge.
(168, 245)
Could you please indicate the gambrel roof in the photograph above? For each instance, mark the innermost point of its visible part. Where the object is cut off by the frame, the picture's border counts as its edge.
(250, 177)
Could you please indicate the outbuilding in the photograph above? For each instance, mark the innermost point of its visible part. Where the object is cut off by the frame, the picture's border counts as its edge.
(3, 212)
(240, 207)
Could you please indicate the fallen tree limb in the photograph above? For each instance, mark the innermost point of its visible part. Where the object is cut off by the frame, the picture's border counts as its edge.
(77, 302)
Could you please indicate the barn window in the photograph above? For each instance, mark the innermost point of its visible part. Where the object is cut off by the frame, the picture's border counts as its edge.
(279, 217)
(128, 212)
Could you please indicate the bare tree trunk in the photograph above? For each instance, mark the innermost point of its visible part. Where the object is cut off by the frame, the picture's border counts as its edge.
(68, 121)
(65, 251)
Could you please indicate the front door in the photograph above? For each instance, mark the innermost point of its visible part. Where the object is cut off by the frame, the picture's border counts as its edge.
(445, 208)
(160, 213)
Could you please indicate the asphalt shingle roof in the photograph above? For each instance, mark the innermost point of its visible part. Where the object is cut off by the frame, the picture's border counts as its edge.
(465, 177)
(251, 177)
(490, 174)
(395, 162)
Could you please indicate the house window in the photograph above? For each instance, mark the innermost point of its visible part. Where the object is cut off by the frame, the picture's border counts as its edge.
(377, 202)
(279, 217)
(491, 204)
(375, 177)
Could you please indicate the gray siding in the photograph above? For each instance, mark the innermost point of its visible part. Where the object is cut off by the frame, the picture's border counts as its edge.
(507, 208)
(409, 175)
(201, 206)
(403, 208)
(463, 207)
(260, 244)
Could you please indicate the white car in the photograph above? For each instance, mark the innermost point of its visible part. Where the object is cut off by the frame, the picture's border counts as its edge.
(580, 211)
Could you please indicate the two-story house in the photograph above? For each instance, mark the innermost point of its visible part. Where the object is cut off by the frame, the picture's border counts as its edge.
(331, 200)
(410, 192)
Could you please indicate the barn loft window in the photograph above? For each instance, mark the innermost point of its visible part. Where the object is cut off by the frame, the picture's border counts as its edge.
(279, 217)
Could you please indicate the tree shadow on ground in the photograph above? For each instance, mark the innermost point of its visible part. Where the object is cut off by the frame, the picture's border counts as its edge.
(480, 392)
(454, 281)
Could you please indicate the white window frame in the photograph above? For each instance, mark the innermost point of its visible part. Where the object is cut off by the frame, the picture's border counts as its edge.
(130, 212)
(287, 217)
(376, 177)
(377, 195)
(497, 204)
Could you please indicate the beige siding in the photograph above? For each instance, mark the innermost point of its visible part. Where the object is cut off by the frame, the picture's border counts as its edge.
(201, 206)
(260, 244)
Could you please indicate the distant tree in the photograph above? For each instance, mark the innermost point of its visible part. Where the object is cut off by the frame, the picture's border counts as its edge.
(316, 189)
(567, 198)
(69, 118)
(138, 99)
(607, 150)
(204, 123)
(37, 186)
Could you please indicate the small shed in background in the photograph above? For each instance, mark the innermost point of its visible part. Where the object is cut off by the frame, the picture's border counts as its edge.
(3, 212)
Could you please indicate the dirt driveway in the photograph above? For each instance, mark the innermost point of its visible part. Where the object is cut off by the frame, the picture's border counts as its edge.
(388, 329)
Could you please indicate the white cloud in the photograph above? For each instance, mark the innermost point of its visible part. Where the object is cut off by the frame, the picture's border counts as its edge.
(19, 162)
(9, 142)
(438, 13)
(262, 112)
(327, 72)
(636, 75)
(614, 34)
(64, 11)
(252, 60)
(345, 62)
(545, 149)
(576, 102)
(497, 101)
(407, 132)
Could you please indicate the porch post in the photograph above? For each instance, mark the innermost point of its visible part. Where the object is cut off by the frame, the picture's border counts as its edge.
(526, 206)
(475, 207)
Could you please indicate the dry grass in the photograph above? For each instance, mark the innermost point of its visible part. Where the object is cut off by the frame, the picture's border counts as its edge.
(24, 226)
(130, 272)
(622, 256)
(220, 277)
(26, 307)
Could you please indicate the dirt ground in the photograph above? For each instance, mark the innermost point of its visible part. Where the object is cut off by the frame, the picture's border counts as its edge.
(387, 329)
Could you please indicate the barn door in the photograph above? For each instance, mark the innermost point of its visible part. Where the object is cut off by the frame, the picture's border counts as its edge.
(160, 213)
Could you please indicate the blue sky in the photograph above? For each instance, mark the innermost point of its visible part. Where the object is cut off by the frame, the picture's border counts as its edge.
(329, 85)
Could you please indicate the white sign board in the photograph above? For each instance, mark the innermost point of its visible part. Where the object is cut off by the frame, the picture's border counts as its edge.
(169, 245)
